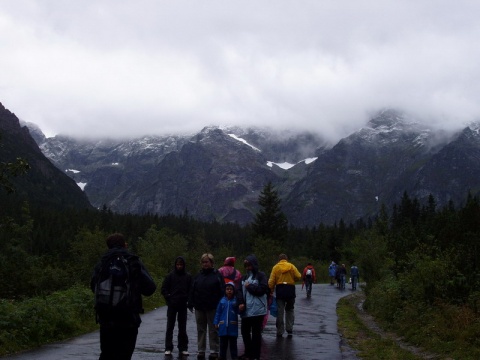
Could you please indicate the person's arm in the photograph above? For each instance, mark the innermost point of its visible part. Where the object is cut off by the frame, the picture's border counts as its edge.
(272, 281)
(261, 288)
(147, 285)
(296, 274)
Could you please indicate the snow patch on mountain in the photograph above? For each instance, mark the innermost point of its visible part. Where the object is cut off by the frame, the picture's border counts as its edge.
(287, 165)
(244, 141)
(81, 185)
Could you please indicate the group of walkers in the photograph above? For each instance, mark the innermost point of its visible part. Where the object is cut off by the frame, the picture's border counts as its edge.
(338, 274)
(217, 297)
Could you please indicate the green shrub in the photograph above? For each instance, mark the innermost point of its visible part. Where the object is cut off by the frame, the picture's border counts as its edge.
(39, 320)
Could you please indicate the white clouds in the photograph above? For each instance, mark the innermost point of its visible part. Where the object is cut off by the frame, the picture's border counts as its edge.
(131, 68)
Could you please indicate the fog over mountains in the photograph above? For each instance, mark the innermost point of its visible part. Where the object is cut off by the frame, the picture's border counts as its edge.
(218, 173)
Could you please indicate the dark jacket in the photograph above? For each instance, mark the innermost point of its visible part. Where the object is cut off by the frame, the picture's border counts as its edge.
(207, 290)
(141, 284)
(176, 286)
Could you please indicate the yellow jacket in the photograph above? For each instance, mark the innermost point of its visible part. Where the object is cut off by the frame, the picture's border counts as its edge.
(283, 273)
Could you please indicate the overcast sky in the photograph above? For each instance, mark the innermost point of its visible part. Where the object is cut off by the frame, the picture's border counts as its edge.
(123, 68)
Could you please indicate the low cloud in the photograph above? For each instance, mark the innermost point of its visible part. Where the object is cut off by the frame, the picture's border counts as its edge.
(151, 67)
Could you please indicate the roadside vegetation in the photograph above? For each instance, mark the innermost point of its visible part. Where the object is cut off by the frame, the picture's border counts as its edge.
(420, 264)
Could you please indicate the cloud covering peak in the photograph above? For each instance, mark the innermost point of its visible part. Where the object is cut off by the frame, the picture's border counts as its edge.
(127, 68)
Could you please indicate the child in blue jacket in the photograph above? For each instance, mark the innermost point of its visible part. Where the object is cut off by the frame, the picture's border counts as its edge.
(226, 322)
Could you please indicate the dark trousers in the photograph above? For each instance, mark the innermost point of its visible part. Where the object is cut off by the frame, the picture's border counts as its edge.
(176, 314)
(225, 341)
(252, 335)
(117, 343)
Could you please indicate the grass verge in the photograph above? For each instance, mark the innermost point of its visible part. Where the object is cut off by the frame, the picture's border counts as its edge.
(367, 343)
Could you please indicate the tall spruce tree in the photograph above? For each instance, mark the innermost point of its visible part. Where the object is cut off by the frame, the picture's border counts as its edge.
(270, 222)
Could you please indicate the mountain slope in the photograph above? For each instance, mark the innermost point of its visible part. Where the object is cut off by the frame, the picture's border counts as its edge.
(44, 185)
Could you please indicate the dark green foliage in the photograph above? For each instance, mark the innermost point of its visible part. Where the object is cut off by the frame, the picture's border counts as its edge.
(270, 222)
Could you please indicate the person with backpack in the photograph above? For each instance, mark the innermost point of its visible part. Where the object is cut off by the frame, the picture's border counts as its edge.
(229, 272)
(175, 289)
(282, 281)
(207, 290)
(309, 278)
(254, 292)
(119, 280)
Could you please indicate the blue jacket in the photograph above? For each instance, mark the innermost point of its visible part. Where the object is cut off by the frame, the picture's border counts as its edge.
(255, 295)
(332, 269)
(226, 317)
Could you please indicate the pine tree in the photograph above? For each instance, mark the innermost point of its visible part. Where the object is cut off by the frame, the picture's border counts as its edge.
(270, 222)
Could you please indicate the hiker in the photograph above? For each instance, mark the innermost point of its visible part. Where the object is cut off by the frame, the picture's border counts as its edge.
(355, 276)
(229, 272)
(119, 280)
(341, 275)
(332, 271)
(254, 291)
(308, 276)
(175, 289)
(207, 290)
(282, 281)
(226, 322)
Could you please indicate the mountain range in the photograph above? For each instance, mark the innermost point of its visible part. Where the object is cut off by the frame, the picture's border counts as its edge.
(218, 173)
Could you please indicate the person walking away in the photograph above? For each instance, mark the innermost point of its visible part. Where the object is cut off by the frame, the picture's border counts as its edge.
(226, 322)
(355, 275)
(308, 276)
(254, 291)
(175, 289)
(332, 270)
(119, 280)
(341, 276)
(282, 281)
(207, 290)
(229, 272)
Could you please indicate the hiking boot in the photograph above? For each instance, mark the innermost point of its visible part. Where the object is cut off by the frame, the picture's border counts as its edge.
(168, 352)
(184, 353)
(290, 333)
(213, 356)
(201, 356)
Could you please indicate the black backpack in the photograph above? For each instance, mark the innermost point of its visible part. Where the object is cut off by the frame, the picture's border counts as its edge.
(113, 289)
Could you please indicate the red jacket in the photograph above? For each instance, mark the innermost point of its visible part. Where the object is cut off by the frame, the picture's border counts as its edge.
(304, 274)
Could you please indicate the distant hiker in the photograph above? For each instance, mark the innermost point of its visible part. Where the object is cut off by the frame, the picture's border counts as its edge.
(332, 270)
(207, 290)
(254, 290)
(229, 272)
(226, 322)
(282, 280)
(175, 289)
(341, 275)
(119, 280)
(309, 278)
(355, 276)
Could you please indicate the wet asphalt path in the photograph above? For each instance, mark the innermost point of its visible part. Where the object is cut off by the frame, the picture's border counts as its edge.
(314, 337)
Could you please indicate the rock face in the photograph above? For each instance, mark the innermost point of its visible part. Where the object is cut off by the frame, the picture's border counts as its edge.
(44, 184)
(218, 174)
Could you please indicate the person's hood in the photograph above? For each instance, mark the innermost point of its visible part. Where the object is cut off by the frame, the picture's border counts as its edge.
(229, 261)
(117, 250)
(252, 259)
(181, 258)
(284, 266)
